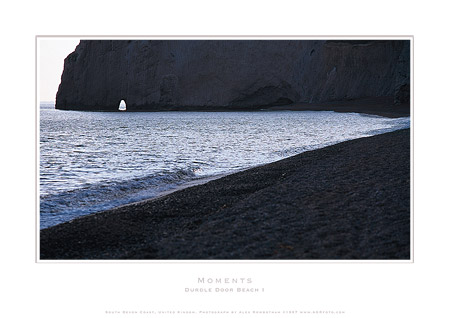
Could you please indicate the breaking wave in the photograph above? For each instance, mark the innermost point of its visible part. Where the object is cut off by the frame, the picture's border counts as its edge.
(68, 205)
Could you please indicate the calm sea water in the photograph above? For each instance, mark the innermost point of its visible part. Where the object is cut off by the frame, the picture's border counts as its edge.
(92, 161)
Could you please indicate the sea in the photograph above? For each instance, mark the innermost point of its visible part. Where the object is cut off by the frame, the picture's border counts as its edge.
(93, 161)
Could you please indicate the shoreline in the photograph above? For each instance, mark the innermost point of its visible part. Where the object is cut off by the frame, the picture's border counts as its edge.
(195, 222)
(380, 106)
(188, 184)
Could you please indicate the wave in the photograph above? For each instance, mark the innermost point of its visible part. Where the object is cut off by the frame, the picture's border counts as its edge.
(68, 205)
(396, 124)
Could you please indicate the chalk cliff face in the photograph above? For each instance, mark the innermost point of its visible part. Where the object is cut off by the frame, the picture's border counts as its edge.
(246, 74)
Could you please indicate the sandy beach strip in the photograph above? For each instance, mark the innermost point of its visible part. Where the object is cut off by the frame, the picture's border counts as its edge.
(346, 201)
(381, 106)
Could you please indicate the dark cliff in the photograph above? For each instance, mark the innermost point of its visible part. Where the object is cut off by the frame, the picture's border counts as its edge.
(233, 74)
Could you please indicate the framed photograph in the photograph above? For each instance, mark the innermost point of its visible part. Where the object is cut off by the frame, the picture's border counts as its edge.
(191, 159)
(227, 152)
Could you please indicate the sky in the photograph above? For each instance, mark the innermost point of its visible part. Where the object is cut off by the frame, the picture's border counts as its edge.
(51, 54)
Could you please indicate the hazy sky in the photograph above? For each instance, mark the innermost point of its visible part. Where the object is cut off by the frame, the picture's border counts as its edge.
(51, 55)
